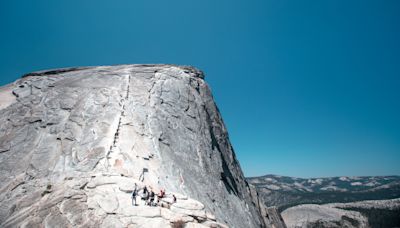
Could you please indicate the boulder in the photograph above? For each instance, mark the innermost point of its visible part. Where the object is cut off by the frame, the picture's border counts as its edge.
(195, 225)
(108, 203)
(111, 221)
(312, 215)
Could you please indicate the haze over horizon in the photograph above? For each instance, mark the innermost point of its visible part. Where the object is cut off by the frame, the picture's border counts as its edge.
(306, 89)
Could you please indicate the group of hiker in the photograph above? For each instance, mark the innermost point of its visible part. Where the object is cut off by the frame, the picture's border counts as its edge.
(149, 197)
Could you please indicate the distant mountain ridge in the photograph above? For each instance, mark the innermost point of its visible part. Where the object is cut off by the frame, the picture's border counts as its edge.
(284, 192)
(361, 214)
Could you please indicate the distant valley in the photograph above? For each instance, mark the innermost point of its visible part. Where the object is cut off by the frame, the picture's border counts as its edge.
(370, 201)
(284, 192)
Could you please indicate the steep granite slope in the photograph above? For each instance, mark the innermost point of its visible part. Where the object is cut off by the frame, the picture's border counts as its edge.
(74, 141)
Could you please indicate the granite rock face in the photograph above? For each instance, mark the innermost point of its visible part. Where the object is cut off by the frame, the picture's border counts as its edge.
(74, 141)
(312, 215)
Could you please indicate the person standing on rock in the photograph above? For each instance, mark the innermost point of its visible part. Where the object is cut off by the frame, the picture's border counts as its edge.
(145, 195)
(151, 198)
(134, 194)
(145, 190)
(161, 195)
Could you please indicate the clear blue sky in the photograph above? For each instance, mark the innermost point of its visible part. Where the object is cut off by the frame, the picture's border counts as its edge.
(306, 88)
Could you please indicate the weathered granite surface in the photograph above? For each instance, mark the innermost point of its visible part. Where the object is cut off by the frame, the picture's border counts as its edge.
(74, 141)
(312, 215)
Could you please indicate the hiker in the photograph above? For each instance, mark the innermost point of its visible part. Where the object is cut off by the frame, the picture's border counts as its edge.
(134, 193)
(174, 199)
(162, 194)
(151, 199)
(144, 193)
